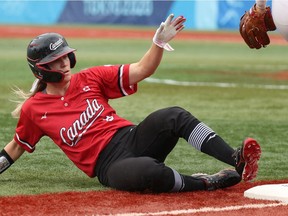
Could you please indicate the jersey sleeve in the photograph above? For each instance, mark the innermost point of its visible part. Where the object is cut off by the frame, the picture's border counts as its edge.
(27, 134)
(114, 80)
(123, 81)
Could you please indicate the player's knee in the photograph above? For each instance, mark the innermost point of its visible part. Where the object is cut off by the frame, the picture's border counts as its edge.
(175, 110)
(178, 113)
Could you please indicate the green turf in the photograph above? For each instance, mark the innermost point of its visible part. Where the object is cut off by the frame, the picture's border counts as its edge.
(234, 113)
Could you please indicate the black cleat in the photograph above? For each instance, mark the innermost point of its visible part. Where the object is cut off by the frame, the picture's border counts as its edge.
(246, 158)
(224, 178)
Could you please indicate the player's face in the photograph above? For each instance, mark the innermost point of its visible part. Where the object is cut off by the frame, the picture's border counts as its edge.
(62, 64)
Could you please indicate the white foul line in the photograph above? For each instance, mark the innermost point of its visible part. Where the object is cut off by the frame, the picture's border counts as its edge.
(213, 84)
(205, 210)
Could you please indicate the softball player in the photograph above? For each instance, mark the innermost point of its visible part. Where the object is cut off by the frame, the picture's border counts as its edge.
(73, 110)
(259, 19)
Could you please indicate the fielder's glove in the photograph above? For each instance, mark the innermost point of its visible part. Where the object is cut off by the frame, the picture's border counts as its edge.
(254, 26)
(167, 31)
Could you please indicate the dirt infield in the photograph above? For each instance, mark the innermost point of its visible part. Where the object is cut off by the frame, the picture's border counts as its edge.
(224, 202)
(221, 203)
(98, 32)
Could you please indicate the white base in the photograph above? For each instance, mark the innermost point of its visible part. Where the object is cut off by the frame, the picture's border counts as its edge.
(277, 192)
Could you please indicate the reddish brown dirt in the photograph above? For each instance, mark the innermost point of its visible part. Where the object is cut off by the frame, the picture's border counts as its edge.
(98, 32)
(117, 202)
(282, 75)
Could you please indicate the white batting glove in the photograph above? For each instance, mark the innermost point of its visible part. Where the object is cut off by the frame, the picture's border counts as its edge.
(167, 31)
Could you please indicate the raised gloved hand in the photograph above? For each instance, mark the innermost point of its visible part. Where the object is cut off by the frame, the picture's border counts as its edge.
(168, 30)
(254, 26)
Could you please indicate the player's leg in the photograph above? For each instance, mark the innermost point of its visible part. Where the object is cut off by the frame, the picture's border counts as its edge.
(280, 16)
(148, 174)
(118, 167)
(140, 174)
(157, 135)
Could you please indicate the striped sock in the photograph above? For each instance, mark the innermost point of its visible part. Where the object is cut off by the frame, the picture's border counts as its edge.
(199, 134)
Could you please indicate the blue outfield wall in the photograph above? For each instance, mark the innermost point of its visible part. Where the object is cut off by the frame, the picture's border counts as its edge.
(200, 14)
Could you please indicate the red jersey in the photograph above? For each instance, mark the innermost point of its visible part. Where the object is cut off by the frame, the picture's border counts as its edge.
(81, 122)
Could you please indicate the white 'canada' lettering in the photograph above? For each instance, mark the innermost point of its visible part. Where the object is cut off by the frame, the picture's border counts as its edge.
(73, 134)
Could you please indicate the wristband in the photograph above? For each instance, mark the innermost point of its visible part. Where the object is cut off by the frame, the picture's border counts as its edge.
(5, 161)
(261, 4)
(163, 45)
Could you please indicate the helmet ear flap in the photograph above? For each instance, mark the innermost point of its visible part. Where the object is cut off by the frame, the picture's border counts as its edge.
(72, 58)
(47, 75)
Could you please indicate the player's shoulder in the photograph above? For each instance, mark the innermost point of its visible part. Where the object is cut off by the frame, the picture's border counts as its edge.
(37, 100)
(28, 104)
(100, 68)
(96, 71)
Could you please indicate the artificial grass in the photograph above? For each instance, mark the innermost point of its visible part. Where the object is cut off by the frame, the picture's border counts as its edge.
(233, 112)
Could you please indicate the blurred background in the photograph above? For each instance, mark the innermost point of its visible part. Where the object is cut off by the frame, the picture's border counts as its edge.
(200, 14)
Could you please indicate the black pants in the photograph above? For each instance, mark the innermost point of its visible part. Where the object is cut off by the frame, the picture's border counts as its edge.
(134, 159)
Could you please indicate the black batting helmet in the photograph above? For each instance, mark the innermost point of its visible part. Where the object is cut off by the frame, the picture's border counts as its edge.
(47, 48)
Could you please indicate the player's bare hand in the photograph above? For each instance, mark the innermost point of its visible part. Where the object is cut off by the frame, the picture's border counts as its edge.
(168, 30)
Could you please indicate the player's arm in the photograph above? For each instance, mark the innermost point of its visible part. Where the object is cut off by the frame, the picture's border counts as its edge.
(151, 60)
(11, 152)
(146, 66)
